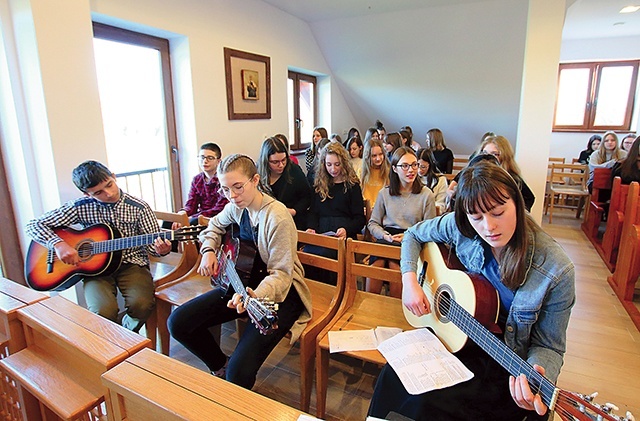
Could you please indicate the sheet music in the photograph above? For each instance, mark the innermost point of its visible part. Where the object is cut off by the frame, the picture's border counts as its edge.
(360, 340)
(422, 362)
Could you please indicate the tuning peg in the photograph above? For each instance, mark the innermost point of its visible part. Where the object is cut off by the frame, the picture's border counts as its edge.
(591, 397)
(630, 416)
(609, 407)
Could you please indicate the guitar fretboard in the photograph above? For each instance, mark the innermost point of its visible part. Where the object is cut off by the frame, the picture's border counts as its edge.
(128, 242)
(500, 352)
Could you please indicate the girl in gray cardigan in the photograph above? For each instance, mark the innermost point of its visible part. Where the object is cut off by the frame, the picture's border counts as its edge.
(277, 275)
(404, 203)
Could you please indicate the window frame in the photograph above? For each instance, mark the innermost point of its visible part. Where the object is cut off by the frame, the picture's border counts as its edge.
(125, 36)
(595, 72)
(298, 144)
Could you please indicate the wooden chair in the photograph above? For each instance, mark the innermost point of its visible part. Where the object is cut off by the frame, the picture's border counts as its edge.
(152, 386)
(68, 348)
(567, 181)
(360, 310)
(600, 195)
(627, 270)
(620, 195)
(325, 299)
(170, 267)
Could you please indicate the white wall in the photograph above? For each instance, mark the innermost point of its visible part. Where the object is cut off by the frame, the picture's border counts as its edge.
(457, 67)
(569, 145)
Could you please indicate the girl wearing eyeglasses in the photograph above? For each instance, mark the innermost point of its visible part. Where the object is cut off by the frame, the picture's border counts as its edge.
(405, 202)
(285, 180)
(276, 275)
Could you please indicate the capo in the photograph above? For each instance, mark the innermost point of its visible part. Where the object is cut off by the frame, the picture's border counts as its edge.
(50, 257)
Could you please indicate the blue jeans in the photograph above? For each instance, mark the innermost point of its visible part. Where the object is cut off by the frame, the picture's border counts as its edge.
(189, 324)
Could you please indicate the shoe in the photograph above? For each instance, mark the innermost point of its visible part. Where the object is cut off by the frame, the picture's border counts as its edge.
(222, 372)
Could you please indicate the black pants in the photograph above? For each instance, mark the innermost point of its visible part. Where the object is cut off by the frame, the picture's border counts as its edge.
(189, 324)
(485, 397)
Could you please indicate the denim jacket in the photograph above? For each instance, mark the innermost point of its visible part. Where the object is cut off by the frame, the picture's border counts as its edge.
(539, 315)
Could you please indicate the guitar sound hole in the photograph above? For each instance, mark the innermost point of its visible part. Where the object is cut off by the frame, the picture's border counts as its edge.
(84, 250)
(443, 299)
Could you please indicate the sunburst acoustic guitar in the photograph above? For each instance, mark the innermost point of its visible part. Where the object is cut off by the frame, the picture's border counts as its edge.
(100, 248)
(465, 307)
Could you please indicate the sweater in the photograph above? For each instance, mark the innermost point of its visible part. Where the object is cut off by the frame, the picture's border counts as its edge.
(277, 246)
(373, 186)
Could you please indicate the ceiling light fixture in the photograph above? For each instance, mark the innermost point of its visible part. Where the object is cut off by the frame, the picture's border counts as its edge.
(629, 9)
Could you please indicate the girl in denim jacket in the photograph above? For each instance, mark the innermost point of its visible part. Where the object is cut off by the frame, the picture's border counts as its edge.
(494, 236)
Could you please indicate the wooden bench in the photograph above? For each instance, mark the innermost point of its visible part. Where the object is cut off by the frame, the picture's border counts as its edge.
(360, 310)
(170, 267)
(600, 196)
(152, 386)
(68, 348)
(625, 276)
(608, 251)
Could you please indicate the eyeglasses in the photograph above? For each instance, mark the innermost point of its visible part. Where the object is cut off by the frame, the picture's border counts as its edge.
(282, 161)
(405, 166)
(423, 167)
(237, 190)
(207, 158)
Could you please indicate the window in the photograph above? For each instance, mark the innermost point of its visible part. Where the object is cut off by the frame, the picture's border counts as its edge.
(303, 104)
(596, 96)
(134, 81)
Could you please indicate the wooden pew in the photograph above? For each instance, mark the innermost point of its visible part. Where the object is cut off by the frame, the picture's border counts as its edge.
(600, 195)
(625, 276)
(152, 386)
(360, 310)
(68, 348)
(612, 234)
(13, 297)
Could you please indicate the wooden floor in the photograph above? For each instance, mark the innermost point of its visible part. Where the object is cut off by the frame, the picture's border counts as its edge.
(603, 349)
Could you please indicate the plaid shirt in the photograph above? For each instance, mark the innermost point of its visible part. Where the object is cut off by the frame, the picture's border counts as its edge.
(204, 198)
(129, 215)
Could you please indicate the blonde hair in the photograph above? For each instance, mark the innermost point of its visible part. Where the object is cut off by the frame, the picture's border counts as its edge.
(602, 150)
(507, 157)
(323, 180)
(367, 164)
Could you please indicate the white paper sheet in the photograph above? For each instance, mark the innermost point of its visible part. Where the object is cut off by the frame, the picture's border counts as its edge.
(422, 362)
(360, 340)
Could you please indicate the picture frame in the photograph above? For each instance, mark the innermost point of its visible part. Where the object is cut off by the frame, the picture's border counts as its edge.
(248, 80)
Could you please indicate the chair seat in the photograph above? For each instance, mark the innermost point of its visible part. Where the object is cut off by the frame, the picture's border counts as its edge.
(184, 290)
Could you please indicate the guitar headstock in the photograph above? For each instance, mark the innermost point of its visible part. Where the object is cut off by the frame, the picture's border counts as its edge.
(572, 406)
(262, 313)
(189, 233)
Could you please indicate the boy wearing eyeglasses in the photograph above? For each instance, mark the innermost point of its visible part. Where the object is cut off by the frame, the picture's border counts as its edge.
(204, 195)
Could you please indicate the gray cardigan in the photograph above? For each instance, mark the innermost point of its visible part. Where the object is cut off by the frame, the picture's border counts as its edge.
(277, 245)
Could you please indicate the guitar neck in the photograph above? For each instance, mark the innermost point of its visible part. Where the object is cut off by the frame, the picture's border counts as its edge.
(501, 353)
(116, 244)
(234, 279)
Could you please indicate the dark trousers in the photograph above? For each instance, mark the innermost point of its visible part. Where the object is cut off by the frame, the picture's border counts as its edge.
(189, 324)
(485, 397)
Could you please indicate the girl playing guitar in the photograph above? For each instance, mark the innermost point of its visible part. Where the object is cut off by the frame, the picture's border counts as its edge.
(267, 224)
(494, 236)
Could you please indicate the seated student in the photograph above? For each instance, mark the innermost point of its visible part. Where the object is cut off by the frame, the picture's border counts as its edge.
(493, 236)
(404, 203)
(355, 147)
(627, 141)
(391, 142)
(409, 141)
(285, 180)
(204, 195)
(276, 275)
(442, 155)
(382, 132)
(353, 132)
(105, 203)
(607, 154)
(372, 133)
(592, 145)
(629, 169)
(312, 152)
(337, 204)
(311, 172)
(430, 177)
(375, 170)
(285, 141)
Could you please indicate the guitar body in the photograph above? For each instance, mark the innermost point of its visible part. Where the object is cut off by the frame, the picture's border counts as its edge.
(58, 276)
(440, 284)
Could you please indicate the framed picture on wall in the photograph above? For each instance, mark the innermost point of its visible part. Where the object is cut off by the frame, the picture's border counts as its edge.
(248, 79)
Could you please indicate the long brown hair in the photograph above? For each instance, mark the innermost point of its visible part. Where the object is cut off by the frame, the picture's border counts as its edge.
(481, 187)
(394, 178)
(367, 164)
(323, 180)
